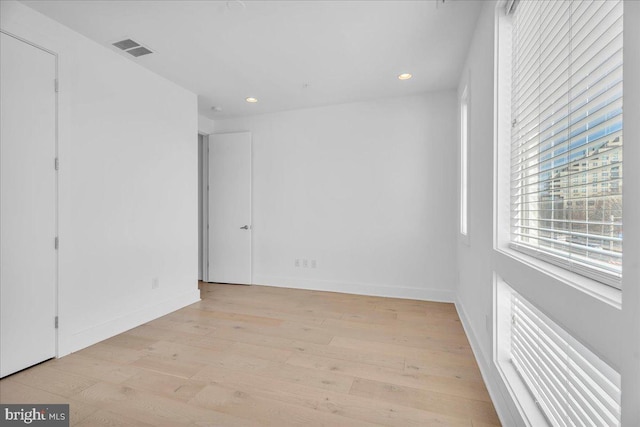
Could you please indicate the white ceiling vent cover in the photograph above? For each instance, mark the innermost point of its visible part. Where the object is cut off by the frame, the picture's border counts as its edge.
(132, 47)
(139, 51)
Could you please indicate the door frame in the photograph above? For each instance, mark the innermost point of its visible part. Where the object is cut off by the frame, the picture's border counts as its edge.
(57, 181)
(203, 177)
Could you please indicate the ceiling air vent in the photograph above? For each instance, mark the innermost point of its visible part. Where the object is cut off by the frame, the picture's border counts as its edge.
(139, 51)
(133, 48)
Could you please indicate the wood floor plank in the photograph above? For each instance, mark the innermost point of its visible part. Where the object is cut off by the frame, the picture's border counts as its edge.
(15, 392)
(238, 362)
(397, 305)
(476, 423)
(160, 334)
(255, 308)
(130, 341)
(171, 366)
(112, 353)
(370, 317)
(434, 338)
(258, 355)
(91, 367)
(266, 412)
(418, 317)
(287, 329)
(354, 354)
(177, 388)
(53, 381)
(184, 353)
(452, 356)
(472, 389)
(443, 329)
(261, 351)
(280, 371)
(421, 399)
(151, 408)
(190, 327)
(278, 307)
(346, 405)
(103, 418)
(434, 364)
(195, 314)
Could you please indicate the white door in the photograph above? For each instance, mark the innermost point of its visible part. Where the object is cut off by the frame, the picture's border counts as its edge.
(27, 205)
(230, 208)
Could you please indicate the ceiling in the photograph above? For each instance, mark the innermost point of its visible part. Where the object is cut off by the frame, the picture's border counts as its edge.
(288, 54)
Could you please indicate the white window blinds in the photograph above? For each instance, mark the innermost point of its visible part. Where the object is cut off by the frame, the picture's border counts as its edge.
(566, 139)
(571, 385)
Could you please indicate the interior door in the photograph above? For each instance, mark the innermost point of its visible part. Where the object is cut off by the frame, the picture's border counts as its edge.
(230, 208)
(27, 205)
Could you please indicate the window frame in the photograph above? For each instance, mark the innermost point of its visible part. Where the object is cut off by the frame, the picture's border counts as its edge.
(606, 292)
(464, 108)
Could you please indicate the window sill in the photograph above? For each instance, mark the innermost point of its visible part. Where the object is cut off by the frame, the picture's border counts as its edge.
(529, 411)
(593, 288)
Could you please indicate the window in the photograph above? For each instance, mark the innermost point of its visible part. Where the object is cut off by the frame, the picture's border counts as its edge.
(552, 376)
(570, 384)
(566, 111)
(464, 162)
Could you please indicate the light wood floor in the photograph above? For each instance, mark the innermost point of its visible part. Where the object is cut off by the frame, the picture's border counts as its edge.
(254, 356)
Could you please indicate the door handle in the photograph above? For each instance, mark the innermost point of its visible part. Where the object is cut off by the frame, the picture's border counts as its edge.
(246, 227)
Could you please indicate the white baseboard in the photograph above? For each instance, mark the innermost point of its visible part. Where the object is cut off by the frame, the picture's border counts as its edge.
(500, 397)
(93, 335)
(424, 294)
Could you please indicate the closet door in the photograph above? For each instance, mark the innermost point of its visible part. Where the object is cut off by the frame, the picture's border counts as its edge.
(28, 258)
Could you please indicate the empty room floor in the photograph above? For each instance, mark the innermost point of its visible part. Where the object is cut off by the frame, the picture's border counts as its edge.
(258, 355)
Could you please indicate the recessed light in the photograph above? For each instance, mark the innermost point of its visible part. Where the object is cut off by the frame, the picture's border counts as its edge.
(216, 109)
(405, 76)
(252, 100)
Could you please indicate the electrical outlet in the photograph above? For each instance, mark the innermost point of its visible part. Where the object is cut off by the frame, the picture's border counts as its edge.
(155, 283)
(305, 263)
(296, 263)
(313, 263)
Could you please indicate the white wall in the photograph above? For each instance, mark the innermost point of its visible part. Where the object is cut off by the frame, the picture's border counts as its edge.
(205, 125)
(365, 189)
(606, 328)
(127, 186)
